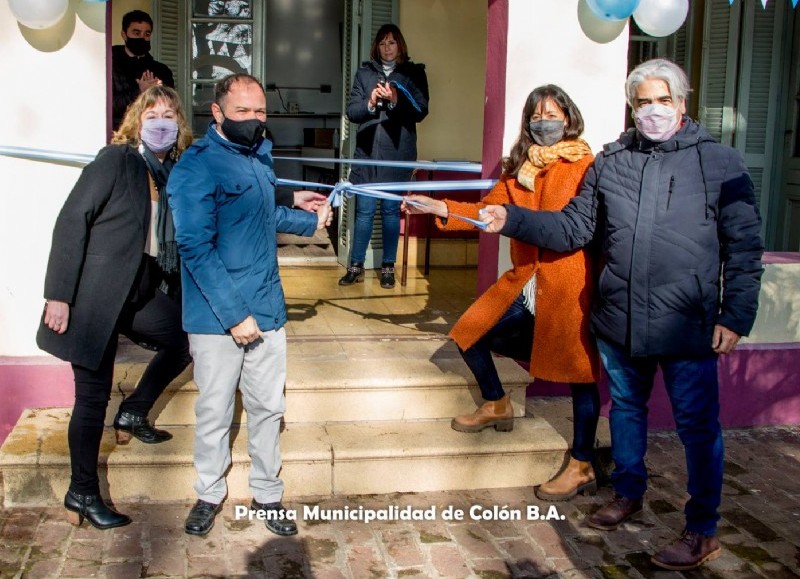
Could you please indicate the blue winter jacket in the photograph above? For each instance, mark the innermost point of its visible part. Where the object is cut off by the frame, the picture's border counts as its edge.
(679, 233)
(222, 197)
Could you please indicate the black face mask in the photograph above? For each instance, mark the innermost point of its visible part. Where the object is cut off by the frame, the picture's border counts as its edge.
(138, 46)
(246, 133)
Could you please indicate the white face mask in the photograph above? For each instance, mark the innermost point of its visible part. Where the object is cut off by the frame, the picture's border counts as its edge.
(657, 122)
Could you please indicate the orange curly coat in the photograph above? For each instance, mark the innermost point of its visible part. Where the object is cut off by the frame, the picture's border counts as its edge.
(563, 348)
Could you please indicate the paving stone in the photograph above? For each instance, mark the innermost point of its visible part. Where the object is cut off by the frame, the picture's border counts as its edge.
(42, 569)
(760, 532)
(448, 561)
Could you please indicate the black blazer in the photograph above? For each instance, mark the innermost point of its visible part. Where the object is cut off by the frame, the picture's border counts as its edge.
(98, 242)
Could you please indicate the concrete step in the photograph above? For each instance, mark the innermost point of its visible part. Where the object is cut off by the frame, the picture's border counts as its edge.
(398, 389)
(318, 459)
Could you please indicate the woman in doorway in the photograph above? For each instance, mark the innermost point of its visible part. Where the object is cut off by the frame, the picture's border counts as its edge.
(389, 97)
(543, 171)
(112, 269)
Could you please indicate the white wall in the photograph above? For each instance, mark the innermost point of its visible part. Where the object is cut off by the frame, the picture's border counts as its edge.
(53, 97)
(547, 45)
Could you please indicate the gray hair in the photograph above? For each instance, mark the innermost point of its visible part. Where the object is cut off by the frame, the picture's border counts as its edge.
(659, 69)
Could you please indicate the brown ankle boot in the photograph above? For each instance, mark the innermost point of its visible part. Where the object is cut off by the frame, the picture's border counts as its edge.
(577, 477)
(493, 413)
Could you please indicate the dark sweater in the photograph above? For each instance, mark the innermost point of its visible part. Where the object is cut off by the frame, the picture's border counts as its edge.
(125, 71)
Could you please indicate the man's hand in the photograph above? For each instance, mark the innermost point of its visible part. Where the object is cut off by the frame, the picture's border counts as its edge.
(56, 316)
(246, 331)
(494, 216)
(324, 215)
(148, 79)
(309, 200)
(424, 204)
(724, 340)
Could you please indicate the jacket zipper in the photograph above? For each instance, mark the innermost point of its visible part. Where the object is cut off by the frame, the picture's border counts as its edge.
(669, 191)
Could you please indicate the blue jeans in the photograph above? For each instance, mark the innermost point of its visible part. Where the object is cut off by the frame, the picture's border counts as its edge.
(365, 214)
(512, 336)
(693, 391)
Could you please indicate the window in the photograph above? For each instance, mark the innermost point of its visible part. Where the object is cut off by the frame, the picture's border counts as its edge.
(222, 36)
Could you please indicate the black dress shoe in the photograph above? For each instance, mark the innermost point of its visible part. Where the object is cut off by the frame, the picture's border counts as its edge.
(275, 519)
(127, 425)
(93, 509)
(201, 518)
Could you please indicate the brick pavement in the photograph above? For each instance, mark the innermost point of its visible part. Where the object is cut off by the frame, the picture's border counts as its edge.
(760, 530)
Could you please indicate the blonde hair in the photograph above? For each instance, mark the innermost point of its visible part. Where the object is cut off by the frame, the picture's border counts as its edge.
(131, 126)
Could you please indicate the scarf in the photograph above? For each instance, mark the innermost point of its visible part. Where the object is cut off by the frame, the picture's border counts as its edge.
(167, 255)
(539, 157)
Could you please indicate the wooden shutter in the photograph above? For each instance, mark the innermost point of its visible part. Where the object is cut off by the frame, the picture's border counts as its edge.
(170, 40)
(718, 70)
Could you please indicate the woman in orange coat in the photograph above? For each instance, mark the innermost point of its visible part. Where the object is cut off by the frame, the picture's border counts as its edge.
(543, 171)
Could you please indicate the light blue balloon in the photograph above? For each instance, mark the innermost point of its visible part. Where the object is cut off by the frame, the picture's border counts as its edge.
(613, 9)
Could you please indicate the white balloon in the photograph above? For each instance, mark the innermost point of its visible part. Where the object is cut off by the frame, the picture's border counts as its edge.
(597, 29)
(661, 17)
(38, 13)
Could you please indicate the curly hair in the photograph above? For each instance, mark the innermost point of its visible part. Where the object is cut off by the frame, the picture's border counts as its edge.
(573, 130)
(131, 126)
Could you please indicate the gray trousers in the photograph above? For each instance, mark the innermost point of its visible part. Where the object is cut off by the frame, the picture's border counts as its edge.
(259, 370)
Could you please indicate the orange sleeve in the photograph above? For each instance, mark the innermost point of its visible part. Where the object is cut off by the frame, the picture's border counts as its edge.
(497, 196)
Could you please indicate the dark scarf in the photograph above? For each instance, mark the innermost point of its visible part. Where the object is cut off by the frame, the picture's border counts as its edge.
(167, 255)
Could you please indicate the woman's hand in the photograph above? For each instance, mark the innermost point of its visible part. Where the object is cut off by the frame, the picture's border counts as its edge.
(324, 215)
(494, 216)
(56, 316)
(382, 92)
(424, 204)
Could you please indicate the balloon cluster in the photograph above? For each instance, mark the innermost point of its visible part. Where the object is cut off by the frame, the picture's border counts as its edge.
(654, 17)
(38, 13)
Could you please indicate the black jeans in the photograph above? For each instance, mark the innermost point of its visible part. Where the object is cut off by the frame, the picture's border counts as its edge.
(512, 336)
(156, 321)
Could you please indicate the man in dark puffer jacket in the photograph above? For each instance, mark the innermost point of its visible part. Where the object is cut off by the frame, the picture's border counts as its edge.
(674, 214)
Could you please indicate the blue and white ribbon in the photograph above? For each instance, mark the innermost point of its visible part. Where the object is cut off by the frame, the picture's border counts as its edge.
(380, 191)
(342, 188)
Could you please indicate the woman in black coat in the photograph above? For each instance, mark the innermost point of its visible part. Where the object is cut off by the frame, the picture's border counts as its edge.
(388, 99)
(112, 269)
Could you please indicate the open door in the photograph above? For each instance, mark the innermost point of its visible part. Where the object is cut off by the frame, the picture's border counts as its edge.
(362, 19)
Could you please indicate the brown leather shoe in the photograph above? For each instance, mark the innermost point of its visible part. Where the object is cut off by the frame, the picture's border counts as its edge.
(577, 477)
(688, 552)
(615, 513)
(492, 413)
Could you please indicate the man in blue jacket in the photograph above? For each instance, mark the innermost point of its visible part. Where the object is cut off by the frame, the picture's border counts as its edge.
(222, 194)
(675, 216)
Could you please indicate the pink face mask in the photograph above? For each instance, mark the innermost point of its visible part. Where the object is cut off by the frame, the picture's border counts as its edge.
(657, 122)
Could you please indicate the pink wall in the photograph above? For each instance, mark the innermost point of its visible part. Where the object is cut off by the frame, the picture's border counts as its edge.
(34, 382)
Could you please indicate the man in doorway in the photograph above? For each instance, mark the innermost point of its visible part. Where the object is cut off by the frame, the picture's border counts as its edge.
(222, 194)
(675, 216)
(133, 69)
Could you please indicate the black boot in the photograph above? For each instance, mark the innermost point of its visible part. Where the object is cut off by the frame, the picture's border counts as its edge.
(355, 274)
(387, 275)
(127, 424)
(92, 508)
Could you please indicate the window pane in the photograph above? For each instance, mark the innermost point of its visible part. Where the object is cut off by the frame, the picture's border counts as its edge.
(222, 8)
(221, 48)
